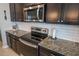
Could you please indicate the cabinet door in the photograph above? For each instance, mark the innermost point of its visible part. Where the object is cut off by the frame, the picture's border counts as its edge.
(16, 11)
(13, 44)
(18, 47)
(19, 11)
(12, 12)
(71, 13)
(53, 12)
(44, 52)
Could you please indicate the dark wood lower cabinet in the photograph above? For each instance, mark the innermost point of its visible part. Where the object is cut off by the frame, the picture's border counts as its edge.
(19, 47)
(28, 50)
(13, 42)
(46, 52)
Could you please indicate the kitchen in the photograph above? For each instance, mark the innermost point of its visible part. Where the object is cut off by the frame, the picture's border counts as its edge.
(59, 21)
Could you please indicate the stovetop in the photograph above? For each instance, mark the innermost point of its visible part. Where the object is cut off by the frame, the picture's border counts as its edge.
(35, 40)
(36, 35)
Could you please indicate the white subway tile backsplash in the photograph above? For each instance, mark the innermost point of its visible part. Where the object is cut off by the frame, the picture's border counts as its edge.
(69, 32)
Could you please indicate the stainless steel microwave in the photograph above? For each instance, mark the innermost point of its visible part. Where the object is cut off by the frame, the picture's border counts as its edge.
(34, 13)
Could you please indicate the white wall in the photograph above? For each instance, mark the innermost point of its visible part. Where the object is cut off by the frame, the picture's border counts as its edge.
(4, 24)
(68, 32)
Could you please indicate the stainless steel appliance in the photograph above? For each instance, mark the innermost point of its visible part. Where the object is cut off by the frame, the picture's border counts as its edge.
(34, 13)
(31, 40)
(39, 33)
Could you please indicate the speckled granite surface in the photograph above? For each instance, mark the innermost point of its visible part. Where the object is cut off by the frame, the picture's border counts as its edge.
(64, 47)
(17, 33)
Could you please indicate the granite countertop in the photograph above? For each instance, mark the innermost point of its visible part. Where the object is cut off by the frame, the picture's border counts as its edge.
(61, 46)
(17, 33)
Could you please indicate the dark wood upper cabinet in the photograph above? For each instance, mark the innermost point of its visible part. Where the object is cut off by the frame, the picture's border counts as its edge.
(19, 11)
(64, 13)
(71, 13)
(16, 11)
(12, 11)
(53, 12)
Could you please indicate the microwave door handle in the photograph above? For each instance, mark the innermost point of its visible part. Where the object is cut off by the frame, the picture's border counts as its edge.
(38, 13)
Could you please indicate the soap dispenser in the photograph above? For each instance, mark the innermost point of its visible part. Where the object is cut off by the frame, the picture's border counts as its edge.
(54, 33)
